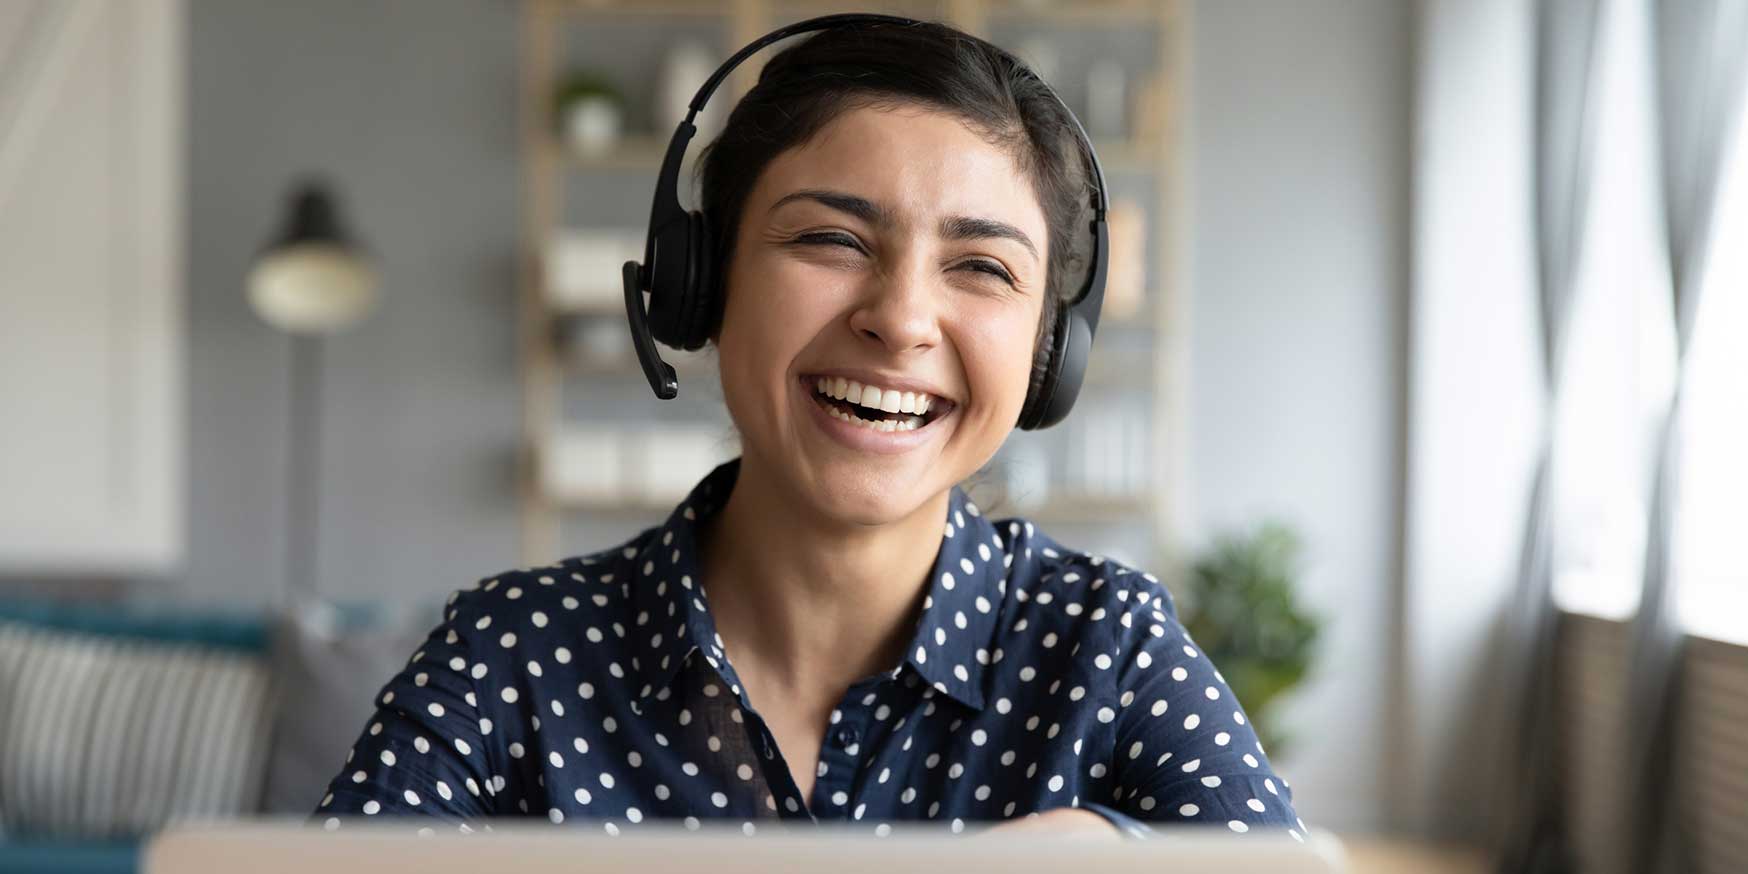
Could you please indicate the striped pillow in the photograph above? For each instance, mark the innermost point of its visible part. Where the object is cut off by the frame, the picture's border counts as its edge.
(105, 737)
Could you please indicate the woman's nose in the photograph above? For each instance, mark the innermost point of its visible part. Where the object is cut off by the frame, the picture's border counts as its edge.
(901, 311)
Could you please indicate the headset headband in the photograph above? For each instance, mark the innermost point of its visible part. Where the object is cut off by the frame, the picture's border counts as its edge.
(1071, 341)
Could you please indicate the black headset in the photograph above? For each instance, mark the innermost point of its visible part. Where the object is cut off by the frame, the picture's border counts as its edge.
(679, 272)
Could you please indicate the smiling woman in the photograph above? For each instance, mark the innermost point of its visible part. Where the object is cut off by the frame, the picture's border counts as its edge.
(827, 628)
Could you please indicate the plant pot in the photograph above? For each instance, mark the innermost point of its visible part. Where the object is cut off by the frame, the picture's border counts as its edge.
(592, 125)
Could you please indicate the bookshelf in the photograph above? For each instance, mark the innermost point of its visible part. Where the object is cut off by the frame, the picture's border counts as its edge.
(575, 359)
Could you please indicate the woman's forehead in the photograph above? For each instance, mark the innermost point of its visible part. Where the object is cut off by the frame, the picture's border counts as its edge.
(915, 162)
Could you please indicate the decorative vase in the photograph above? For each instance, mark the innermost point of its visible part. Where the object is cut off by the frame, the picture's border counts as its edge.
(593, 124)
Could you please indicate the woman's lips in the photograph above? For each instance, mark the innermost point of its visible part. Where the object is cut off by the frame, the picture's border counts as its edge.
(861, 437)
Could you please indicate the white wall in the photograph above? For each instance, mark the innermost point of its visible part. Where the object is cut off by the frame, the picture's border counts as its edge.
(409, 109)
(1296, 235)
(1476, 390)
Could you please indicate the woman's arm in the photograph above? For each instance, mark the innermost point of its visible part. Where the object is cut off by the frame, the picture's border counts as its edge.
(1065, 821)
(425, 750)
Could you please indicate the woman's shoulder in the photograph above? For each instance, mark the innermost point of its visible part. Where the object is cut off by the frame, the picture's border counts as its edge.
(1064, 604)
(586, 591)
(1119, 623)
(1048, 573)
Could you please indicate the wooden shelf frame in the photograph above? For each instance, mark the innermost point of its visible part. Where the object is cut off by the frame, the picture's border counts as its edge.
(546, 163)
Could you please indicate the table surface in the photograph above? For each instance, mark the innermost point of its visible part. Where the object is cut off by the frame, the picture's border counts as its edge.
(1381, 855)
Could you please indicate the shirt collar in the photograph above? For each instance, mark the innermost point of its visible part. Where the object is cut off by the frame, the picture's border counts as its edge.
(949, 649)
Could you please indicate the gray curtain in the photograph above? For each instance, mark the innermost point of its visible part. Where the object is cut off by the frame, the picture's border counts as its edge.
(1699, 55)
(1529, 834)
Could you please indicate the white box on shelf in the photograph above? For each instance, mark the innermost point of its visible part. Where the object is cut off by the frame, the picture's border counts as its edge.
(583, 267)
(585, 464)
(671, 459)
(1136, 452)
(1107, 449)
(1025, 470)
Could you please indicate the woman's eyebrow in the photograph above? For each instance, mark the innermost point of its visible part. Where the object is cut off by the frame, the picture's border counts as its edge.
(961, 227)
(860, 207)
(958, 227)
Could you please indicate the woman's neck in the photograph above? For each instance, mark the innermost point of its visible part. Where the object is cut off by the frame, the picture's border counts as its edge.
(812, 604)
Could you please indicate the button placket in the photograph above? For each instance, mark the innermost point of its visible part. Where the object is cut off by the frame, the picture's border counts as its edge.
(841, 757)
(766, 744)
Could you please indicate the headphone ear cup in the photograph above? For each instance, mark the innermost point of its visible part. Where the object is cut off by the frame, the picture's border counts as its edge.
(701, 301)
(669, 277)
(1045, 372)
(1067, 371)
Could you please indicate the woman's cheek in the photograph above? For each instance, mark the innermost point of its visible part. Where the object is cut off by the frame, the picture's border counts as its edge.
(998, 355)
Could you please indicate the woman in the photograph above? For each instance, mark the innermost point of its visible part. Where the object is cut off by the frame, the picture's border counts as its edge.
(827, 627)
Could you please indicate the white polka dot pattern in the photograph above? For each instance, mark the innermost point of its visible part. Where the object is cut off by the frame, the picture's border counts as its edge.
(596, 693)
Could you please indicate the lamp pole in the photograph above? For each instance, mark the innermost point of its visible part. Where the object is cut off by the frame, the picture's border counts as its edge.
(310, 281)
(303, 464)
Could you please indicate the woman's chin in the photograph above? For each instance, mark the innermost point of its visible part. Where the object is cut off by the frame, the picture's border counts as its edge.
(874, 496)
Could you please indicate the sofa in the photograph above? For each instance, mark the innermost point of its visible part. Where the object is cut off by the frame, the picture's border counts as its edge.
(117, 719)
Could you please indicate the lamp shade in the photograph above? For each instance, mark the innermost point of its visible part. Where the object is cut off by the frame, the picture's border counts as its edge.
(312, 279)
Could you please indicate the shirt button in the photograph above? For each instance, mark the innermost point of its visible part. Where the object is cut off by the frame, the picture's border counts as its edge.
(847, 736)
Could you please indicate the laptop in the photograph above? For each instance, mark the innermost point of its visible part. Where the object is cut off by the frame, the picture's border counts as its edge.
(265, 846)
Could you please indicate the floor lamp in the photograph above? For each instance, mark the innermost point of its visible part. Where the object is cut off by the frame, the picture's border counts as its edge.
(311, 280)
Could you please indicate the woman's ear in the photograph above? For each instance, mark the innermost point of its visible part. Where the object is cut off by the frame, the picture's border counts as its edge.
(719, 291)
(721, 314)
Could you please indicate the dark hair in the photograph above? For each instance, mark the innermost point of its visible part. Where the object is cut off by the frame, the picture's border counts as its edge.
(807, 85)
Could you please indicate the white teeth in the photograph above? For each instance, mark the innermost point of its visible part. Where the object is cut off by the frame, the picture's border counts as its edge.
(910, 424)
(873, 397)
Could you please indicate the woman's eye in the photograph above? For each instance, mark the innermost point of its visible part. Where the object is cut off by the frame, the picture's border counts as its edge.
(824, 238)
(829, 240)
(992, 269)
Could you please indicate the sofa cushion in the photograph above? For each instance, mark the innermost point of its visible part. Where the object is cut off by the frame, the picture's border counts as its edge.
(331, 662)
(112, 726)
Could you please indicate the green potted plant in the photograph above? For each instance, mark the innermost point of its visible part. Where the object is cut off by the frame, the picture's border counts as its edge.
(590, 111)
(1242, 610)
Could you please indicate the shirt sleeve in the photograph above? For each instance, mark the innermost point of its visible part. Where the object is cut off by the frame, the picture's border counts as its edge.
(1128, 825)
(424, 751)
(1185, 750)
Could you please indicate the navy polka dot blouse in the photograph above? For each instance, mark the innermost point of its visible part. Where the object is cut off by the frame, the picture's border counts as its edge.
(597, 689)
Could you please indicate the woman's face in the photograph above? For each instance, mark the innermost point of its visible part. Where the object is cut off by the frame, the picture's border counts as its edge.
(899, 251)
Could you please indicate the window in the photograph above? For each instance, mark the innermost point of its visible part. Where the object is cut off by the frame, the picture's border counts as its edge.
(1620, 360)
(1711, 552)
(1620, 353)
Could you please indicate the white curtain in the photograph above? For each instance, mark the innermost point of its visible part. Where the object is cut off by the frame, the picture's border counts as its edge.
(1701, 54)
(1528, 834)
(1482, 407)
